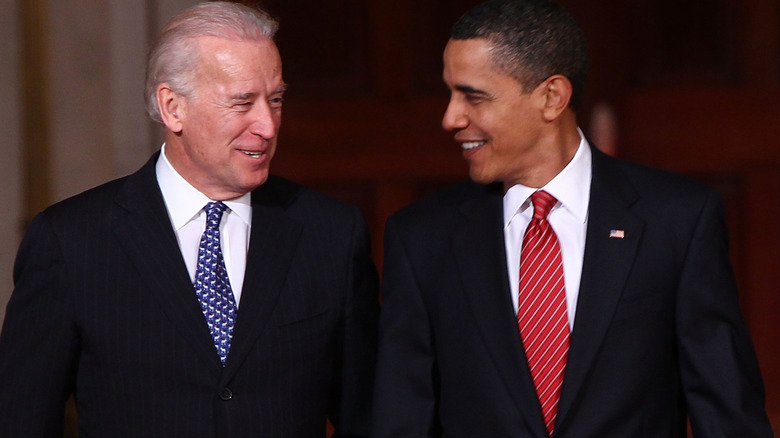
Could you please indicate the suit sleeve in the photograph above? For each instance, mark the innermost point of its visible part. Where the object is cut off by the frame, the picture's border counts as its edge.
(405, 397)
(719, 370)
(38, 343)
(350, 411)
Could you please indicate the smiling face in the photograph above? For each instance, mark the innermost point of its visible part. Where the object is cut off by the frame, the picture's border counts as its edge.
(499, 125)
(222, 138)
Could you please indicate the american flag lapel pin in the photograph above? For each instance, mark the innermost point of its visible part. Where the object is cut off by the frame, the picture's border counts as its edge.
(617, 234)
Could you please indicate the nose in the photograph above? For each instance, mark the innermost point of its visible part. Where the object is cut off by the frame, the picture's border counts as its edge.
(265, 121)
(454, 117)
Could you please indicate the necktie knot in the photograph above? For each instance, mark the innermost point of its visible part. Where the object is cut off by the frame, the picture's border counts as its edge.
(543, 202)
(214, 212)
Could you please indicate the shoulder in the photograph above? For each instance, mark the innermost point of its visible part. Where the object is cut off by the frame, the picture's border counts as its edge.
(436, 204)
(298, 200)
(651, 184)
(96, 202)
(93, 203)
(657, 196)
(438, 212)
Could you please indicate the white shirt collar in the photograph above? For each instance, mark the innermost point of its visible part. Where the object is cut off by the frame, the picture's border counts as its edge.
(185, 202)
(571, 187)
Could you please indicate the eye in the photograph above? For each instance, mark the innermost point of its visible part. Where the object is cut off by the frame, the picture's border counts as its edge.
(276, 102)
(474, 98)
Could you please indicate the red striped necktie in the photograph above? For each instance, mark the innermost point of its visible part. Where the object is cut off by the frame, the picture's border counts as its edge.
(541, 318)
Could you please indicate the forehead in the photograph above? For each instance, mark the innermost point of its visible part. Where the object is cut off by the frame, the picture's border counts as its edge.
(241, 60)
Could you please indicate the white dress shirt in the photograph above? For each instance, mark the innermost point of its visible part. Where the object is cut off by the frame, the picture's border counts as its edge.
(568, 218)
(185, 210)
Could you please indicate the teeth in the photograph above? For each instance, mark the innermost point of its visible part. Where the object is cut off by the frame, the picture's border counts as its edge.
(253, 154)
(471, 144)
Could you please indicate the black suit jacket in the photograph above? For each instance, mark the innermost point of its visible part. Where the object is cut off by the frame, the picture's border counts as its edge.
(657, 336)
(103, 306)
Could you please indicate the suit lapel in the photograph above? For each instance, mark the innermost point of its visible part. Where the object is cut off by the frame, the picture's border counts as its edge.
(481, 261)
(608, 260)
(144, 232)
(272, 245)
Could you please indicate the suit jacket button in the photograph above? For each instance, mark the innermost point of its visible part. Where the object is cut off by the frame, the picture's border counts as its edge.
(225, 394)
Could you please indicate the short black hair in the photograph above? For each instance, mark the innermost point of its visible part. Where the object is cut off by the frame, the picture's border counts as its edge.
(532, 40)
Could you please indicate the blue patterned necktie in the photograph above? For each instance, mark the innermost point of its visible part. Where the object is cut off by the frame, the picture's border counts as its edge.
(212, 285)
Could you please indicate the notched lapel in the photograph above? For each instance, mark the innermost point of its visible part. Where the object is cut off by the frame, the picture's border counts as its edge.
(481, 261)
(144, 231)
(613, 237)
(272, 245)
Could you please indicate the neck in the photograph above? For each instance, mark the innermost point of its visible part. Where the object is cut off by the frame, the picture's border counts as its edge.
(555, 152)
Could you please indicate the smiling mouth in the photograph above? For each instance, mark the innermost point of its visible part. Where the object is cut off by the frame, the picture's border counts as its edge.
(254, 154)
(467, 145)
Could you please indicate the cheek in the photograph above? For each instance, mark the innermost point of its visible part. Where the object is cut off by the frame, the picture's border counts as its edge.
(228, 131)
(492, 123)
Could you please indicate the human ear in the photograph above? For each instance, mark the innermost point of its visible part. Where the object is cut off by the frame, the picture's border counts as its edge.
(557, 90)
(171, 106)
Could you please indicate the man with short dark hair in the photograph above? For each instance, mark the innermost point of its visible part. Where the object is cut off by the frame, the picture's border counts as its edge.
(561, 293)
(200, 296)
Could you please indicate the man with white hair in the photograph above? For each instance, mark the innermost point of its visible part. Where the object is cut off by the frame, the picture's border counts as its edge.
(200, 296)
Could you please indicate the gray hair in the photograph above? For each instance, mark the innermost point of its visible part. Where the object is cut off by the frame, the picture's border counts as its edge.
(531, 41)
(173, 58)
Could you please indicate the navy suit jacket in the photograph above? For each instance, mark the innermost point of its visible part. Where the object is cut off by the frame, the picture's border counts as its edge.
(103, 306)
(657, 337)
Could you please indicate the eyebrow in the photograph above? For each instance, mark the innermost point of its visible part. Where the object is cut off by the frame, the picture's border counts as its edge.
(250, 95)
(243, 96)
(466, 89)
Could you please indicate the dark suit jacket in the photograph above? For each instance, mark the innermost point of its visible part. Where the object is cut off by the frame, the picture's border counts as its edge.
(103, 306)
(657, 335)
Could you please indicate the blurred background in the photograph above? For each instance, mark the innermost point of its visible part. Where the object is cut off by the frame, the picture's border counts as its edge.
(687, 85)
